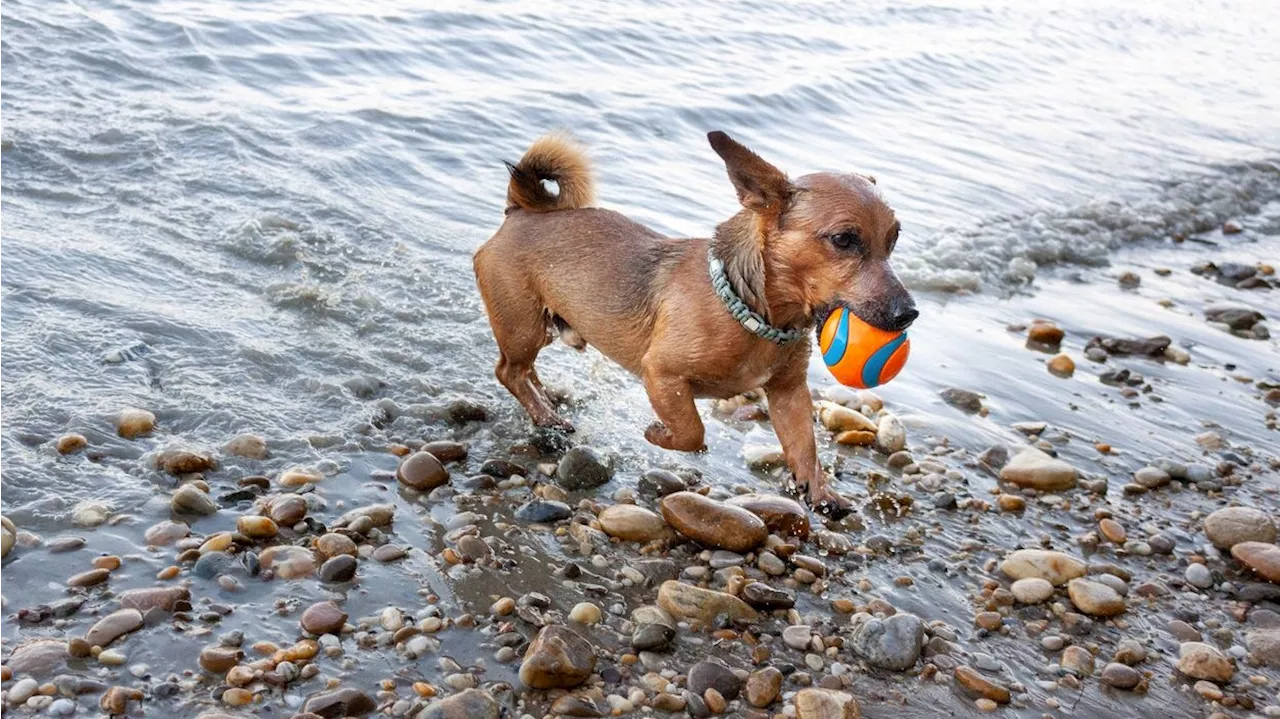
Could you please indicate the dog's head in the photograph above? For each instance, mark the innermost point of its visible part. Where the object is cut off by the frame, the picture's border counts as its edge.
(830, 234)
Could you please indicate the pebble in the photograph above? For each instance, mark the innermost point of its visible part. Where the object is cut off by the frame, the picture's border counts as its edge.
(1261, 557)
(1202, 661)
(288, 561)
(134, 423)
(557, 657)
(113, 626)
(188, 499)
(709, 675)
(1078, 660)
(971, 680)
(1120, 676)
(816, 703)
(249, 446)
(782, 516)
(1033, 468)
(1198, 575)
(1095, 598)
(180, 461)
(1112, 530)
(422, 471)
(1031, 590)
(583, 468)
(257, 527)
(323, 618)
(333, 544)
(713, 524)
(893, 643)
(632, 523)
(701, 606)
(1055, 567)
(1061, 365)
(341, 568)
(763, 687)
(585, 613)
(90, 578)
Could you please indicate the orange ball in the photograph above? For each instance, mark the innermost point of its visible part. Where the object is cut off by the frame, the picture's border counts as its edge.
(859, 355)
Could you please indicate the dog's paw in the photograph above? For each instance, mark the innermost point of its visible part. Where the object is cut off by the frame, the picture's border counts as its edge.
(826, 501)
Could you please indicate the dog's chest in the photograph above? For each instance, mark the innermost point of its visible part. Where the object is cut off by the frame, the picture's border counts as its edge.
(744, 373)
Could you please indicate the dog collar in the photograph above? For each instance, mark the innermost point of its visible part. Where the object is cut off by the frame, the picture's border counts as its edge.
(748, 318)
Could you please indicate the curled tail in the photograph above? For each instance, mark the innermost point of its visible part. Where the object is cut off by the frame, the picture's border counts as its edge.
(560, 160)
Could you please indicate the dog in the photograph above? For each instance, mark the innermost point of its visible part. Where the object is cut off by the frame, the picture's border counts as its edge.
(690, 317)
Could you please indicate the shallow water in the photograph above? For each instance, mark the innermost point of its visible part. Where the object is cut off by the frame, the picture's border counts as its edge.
(259, 218)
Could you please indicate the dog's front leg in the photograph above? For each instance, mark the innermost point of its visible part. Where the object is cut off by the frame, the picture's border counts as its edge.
(678, 427)
(791, 410)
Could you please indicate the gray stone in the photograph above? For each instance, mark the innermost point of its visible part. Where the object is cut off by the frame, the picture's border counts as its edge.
(583, 468)
(892, 643)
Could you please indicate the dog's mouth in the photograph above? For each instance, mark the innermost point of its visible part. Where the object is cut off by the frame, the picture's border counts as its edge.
(892, 316)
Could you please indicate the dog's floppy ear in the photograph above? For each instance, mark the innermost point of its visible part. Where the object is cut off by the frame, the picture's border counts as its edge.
(762, 188)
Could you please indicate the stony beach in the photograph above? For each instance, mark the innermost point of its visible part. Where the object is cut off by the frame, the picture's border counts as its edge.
(1095, 536)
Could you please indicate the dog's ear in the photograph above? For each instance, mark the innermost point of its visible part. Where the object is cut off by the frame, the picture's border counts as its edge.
(762, 188)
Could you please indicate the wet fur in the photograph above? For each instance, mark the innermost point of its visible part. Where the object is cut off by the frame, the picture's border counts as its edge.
(558, 267)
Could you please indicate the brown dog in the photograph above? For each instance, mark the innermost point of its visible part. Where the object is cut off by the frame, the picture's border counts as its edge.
(659, 307)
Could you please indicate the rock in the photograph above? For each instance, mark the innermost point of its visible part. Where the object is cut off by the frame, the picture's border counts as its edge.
(1032, 590)
(701, 606)
(389, 553)
(332, 544)
(815, 703)
(652, 637)
(90, 513)
(1112, 530)
(1262, 558)
(782, 516)
(1151, 346)
(1078, 660)
(544, 511)
(585, 613)
(763, 687)
(1120, 676)
(116, 699)
(1045, 332)
(1129, 651)
(632, 523)
(1095, 598)
(1228, 527)
(962, 399)
(190, 500)
(1055, 567)
(341, 568)
(220, 659)
(288, 561)
(763, 596)
(474, 548)
(181, 461)
(1264, 646)
(342, 702)
(249, 446)
(1061, 365)
(1232, 227)
(837, 418)
(1037, 470)
(712, 523)
(446, 450)
(298, 477)
(134, 423)
(891, 436)
(287, 510)
(660, 483)
(165, 533)
(213, 563)
(21, 691)
(323, 618)
(583, 468)
(467, 704)
(113, 626)
(256, 527)
(892, 643)
(422, 471)
(763, 457)
(1199, 576)
(712, 675)
(1151, 477)
(40, 658)
(91, 578)
(1202, 661)
(7, 540)
(557, 657)
(71, 443)
(149, 598)
(1235, 317)
(970, 679)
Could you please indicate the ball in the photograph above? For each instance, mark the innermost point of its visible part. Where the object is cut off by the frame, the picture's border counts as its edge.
(859, 355)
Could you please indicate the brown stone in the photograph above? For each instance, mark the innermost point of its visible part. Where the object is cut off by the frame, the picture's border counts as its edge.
(1037, 470)
(1202, 661)
(701, 606)
(1061, 365)
(1230, 526)
(89, 578)
(782, 516)
(1056, 567)
(1095, 598)
(826, 704)
(970, 679)
(219, 659)
(70, 443)
(1262, 558)
(1112, 530)
(323, 618)
(631, 523)
(763, 687)
(288, 561)
(557, 657)
(446, 451)
(249, 446)
(287, 510)
(116, 699)
(332, 544)
(113, 626)
(134, 423)
(149, 598)
(712, 523)
(1045, 333)
(422, 471)
(181, 461)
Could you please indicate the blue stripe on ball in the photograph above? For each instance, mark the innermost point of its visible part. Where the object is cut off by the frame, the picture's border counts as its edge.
(840, 342)
(871, 371)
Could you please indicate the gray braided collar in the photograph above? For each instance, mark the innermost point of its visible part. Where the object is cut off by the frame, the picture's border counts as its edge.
(745, 316)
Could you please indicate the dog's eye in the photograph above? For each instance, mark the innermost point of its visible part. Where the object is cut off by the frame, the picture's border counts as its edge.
(847, 240)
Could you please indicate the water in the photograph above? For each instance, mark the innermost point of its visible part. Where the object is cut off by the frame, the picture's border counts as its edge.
(259, 217)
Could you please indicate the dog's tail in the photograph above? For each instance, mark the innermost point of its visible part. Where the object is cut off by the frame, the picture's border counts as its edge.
(555, 158)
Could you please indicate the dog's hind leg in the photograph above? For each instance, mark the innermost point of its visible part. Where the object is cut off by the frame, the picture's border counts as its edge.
(520, 327)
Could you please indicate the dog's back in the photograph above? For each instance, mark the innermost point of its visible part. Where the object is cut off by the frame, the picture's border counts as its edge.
(557, 259)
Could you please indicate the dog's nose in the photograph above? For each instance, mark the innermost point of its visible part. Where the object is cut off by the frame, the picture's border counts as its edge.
(903, 317)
